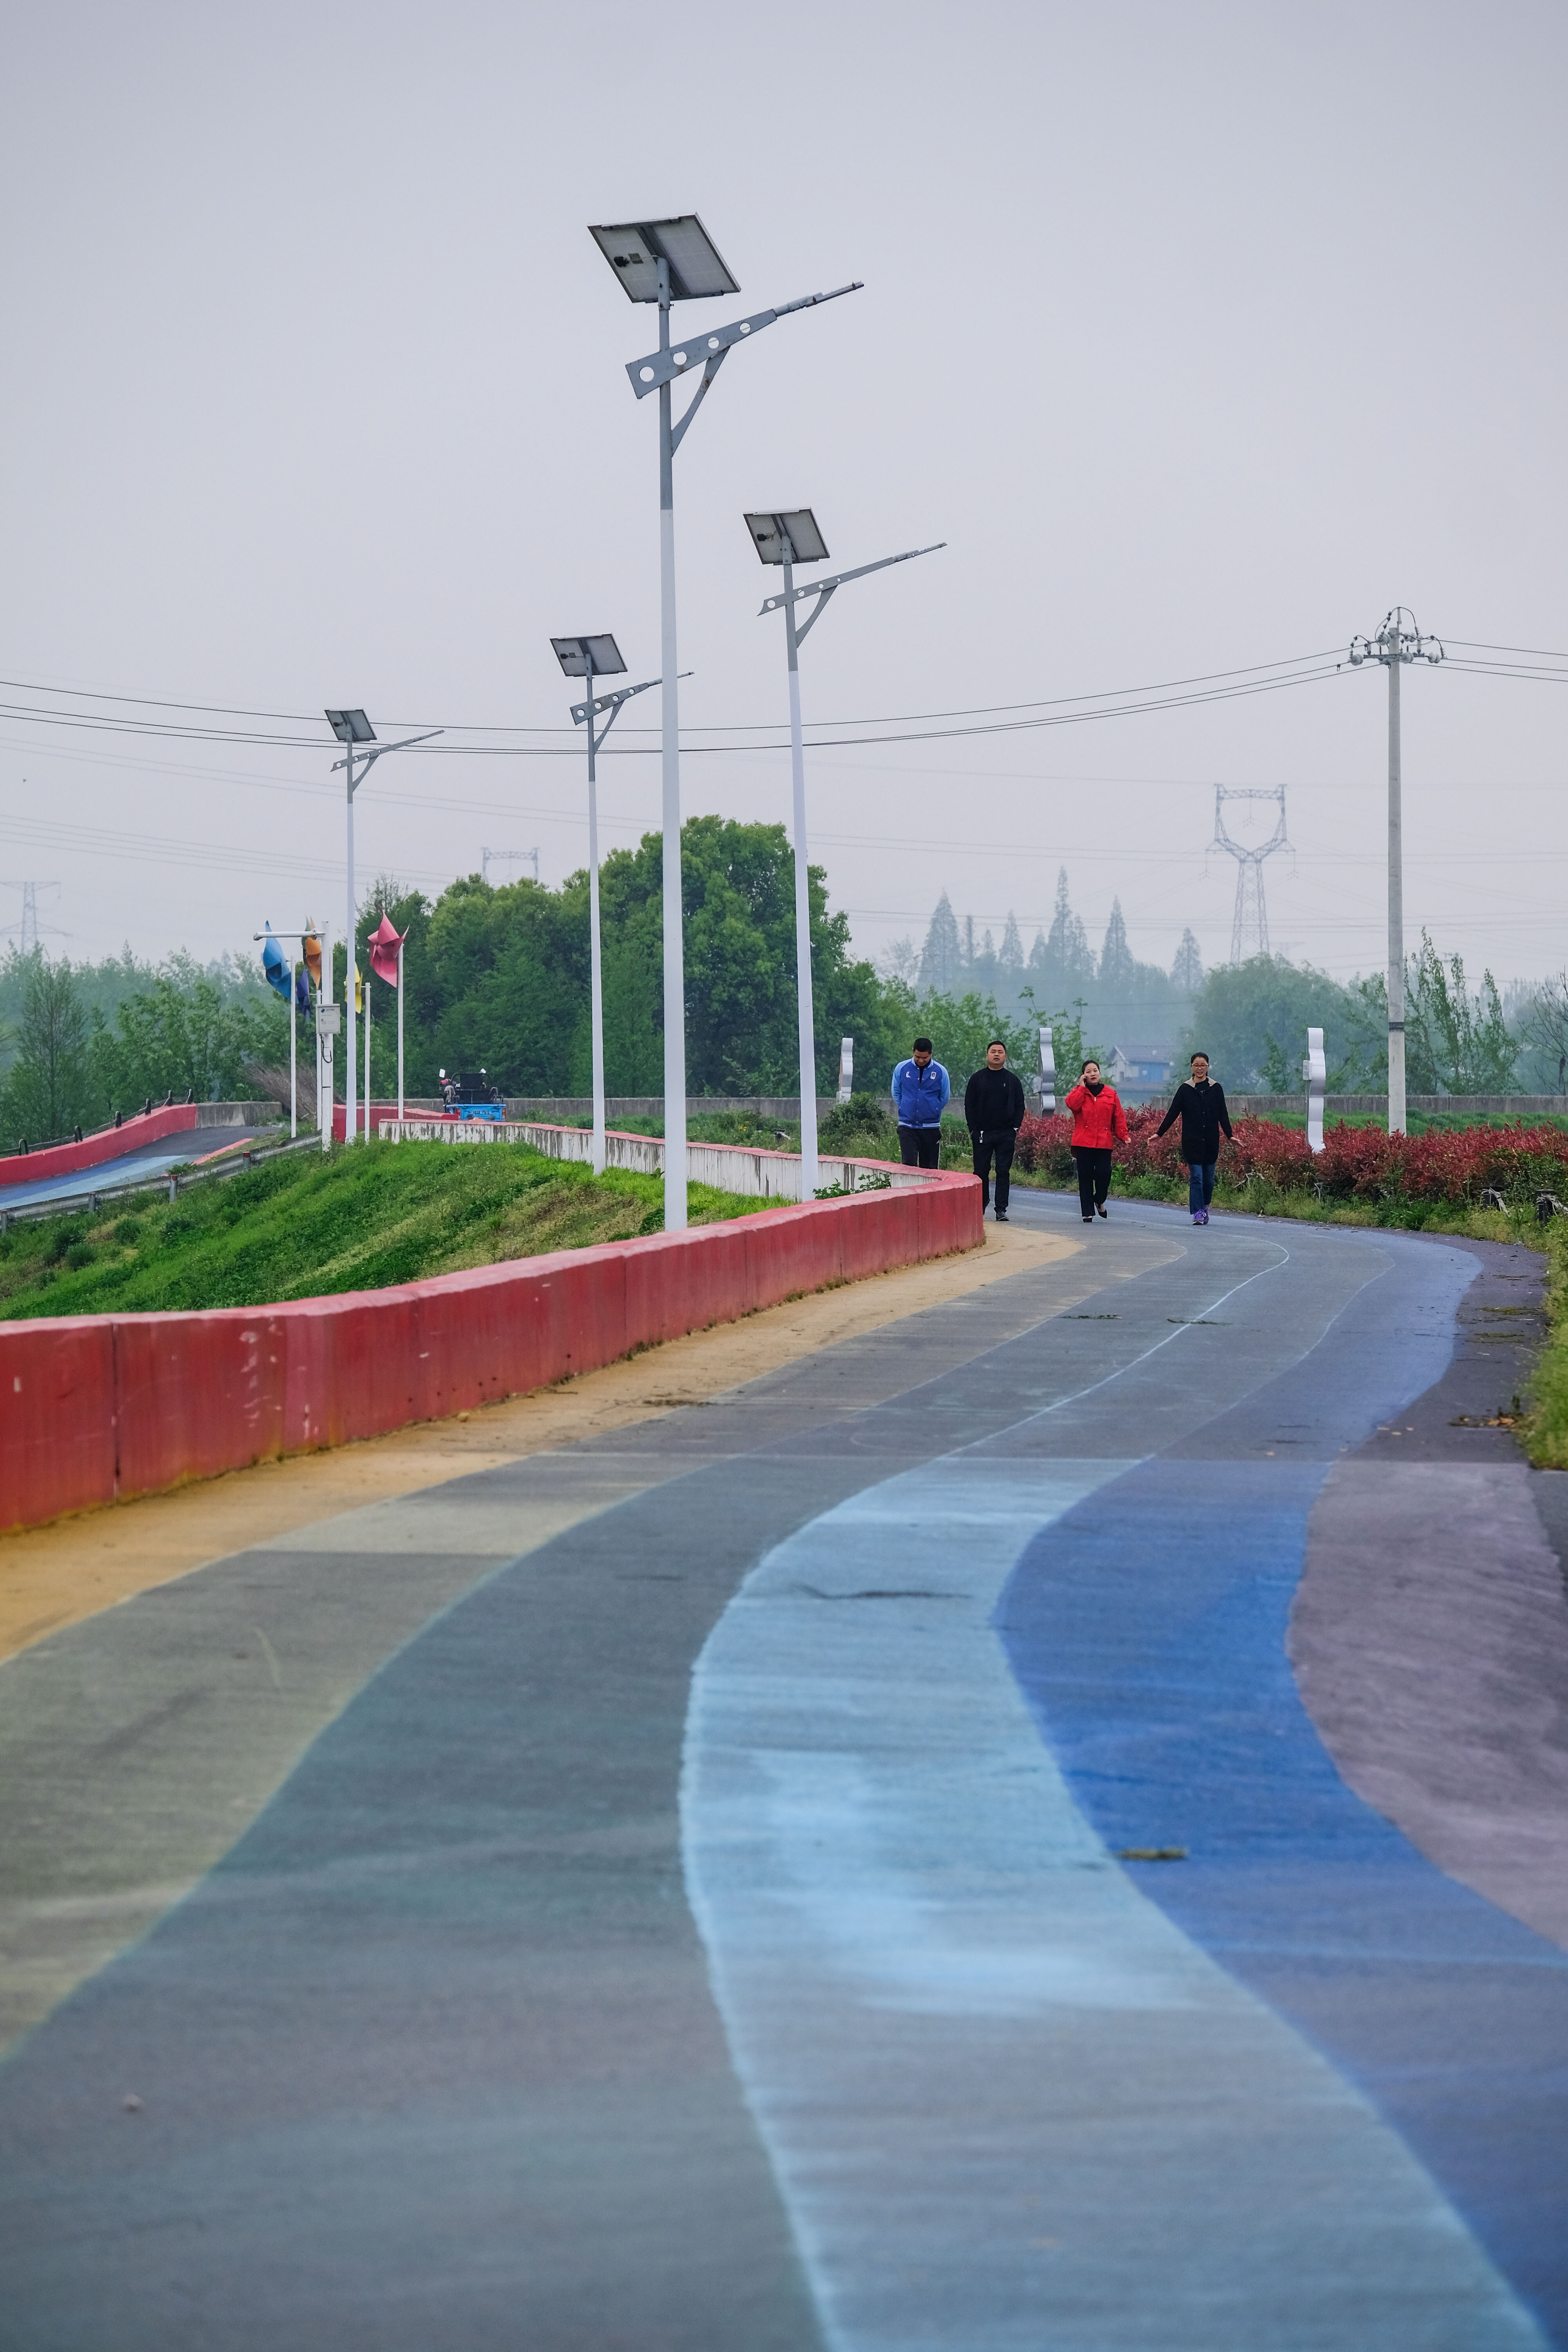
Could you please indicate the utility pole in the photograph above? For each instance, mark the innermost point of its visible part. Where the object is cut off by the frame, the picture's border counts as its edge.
(1394, 646)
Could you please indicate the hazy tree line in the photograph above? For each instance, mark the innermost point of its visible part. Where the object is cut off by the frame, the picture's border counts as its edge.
(1252, 1017)
(79, 1042)
(499, 978)
(1115, 998)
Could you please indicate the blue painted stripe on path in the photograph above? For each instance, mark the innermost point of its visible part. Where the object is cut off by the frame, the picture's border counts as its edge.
(1147, 1632)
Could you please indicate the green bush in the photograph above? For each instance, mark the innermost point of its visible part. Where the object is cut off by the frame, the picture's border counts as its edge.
(864, 1124)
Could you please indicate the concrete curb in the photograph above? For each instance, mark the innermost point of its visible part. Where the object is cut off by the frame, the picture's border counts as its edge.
(97, 1409)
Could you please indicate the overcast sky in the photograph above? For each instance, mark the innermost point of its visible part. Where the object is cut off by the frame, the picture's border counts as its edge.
(1201, 333)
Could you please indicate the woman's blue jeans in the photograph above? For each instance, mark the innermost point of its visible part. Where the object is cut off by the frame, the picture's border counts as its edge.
(1200, 1184)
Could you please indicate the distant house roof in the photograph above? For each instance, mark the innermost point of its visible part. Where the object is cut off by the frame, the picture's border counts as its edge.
(1163, 1053)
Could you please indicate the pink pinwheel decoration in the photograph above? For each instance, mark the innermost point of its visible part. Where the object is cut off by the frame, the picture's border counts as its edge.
(384, 945)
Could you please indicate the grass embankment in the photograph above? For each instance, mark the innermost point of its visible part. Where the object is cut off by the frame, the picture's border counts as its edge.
(306, 1224)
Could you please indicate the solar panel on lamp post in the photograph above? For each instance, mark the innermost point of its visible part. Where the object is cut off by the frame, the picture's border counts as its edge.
(667, 261)
(353, 730)
(593, 657)
(789, 538)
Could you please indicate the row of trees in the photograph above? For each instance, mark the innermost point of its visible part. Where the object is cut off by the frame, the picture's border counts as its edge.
(1253, 1017)
(499, 978)
(80, 1041)
(1120, 999)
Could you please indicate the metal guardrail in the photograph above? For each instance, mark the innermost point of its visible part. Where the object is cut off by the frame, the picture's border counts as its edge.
(172, 1181)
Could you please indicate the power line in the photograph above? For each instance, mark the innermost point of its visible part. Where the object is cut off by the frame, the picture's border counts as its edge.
(1061, 710)
(474, 727)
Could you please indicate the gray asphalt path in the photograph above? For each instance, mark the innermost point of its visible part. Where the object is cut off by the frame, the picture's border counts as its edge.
(478, 1977)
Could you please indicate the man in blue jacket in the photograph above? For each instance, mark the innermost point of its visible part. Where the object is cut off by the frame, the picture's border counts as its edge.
(920, 1089)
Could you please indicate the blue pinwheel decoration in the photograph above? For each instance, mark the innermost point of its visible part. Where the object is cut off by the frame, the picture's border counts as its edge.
(275, 965)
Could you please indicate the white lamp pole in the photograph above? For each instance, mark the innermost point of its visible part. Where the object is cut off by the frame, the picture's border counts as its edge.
(354, 731)
(788, 539)
(667, 261)
(592, 658)
(326, 1027)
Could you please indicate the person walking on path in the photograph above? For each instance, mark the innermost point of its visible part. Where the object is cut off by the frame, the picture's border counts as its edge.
(921, 1092)
(994, 1106)
(1199, 1104)
(1097, 1122)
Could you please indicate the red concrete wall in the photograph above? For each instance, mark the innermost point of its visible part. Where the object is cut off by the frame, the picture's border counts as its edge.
(97, 1408)
(64, 1158)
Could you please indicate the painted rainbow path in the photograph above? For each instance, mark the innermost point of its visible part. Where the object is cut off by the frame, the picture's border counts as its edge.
(691, 1889)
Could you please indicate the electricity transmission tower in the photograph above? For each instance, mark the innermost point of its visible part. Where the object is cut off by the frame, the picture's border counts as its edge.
(507, 857)
(28, 926)
(1250, 925)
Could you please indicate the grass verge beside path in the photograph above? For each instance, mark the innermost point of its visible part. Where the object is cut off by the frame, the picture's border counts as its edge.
(307, 1225)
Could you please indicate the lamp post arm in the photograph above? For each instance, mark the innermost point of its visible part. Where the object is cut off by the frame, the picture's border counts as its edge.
(369, 757)
(804, 628)
(715, 361)
(824, 588)
(706, 351)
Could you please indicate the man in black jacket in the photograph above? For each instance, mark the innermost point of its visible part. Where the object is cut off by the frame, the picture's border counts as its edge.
(994, 1108)
(1200, 1107)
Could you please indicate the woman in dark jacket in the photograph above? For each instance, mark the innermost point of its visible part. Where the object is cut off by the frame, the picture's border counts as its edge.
(1200, 1107)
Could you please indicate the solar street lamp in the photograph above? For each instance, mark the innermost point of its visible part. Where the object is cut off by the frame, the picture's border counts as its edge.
(593, 657)
(667, 261)
(788, 539)
(353, 729)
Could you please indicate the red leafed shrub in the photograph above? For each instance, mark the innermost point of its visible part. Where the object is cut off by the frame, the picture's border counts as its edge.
(1363, 1163)
(1146, 1153)
(1356, 1163)
(1043, 1147)
(1273, 1153)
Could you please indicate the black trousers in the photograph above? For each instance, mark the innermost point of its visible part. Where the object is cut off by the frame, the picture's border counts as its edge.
(920, 1146)
(1000, 1144)
(1093, 1177)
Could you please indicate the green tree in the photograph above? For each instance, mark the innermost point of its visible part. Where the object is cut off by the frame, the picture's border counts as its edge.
(1455, 1043)
(49, 1088)
(1244, 1010)
(960, 1029)
(1117, 966)
(1187, 970)
(1546, 1031)
(185, 1034)
(499, 978)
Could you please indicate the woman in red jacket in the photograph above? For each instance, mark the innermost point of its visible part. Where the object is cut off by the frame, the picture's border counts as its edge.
(1097, 1122)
